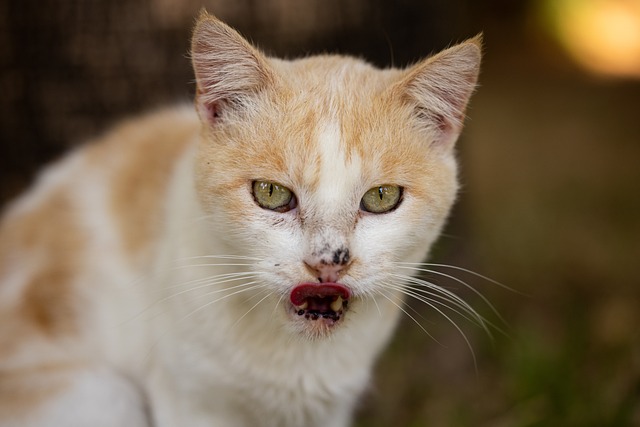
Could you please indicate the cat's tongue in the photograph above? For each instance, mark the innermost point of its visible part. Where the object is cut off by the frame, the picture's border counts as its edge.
(311, 293)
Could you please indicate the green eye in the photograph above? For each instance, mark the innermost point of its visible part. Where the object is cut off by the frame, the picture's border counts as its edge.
(381, 199)
(272, 196)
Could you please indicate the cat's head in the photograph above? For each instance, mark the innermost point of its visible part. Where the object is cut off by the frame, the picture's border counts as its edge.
(329, 170)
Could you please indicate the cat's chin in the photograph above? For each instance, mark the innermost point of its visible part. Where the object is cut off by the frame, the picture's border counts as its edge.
(318, 307)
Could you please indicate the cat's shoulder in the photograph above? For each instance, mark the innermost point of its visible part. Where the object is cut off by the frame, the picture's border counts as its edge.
(107, 186)
(131, 145)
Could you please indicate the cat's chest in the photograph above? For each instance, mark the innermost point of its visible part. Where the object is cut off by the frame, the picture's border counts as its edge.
(276, 384)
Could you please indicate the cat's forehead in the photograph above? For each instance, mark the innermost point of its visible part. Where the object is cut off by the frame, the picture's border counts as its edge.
(334, 106)
(331, 76)
(334, 129)
(329, 129)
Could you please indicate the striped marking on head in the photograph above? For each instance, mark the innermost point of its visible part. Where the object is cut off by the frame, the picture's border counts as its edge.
(340, 170)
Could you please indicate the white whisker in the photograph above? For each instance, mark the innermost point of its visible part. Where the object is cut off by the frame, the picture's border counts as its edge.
(156, 275)
(419, 293)
(194, 288)
(377, 306)
(181, 267)
(463, 283)
(223, 297)
(409, 315)
(239, 257)
(216, 279)
(211, 284)
(455, 267)
(463, 310)
(276, 306)
(447, 295)
(437, 291)
(251, 309)
(455, 325)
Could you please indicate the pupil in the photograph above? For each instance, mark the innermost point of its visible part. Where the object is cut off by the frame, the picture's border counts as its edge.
(380, 193)
(270, 190)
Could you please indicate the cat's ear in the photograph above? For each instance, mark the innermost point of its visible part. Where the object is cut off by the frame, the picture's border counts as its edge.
(227, 68)
(439, 88)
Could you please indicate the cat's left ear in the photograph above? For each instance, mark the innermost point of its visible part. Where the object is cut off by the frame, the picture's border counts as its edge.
(439, 89)
(228, 69)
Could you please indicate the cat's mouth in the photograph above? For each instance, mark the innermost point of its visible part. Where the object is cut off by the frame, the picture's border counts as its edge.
(315, 301)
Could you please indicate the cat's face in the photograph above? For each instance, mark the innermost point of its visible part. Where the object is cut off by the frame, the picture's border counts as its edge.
(328, 170)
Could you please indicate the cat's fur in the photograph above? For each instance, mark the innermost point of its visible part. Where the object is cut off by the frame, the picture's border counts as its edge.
(106, 314)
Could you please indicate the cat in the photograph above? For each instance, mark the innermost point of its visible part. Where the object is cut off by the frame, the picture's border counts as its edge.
(240, 263)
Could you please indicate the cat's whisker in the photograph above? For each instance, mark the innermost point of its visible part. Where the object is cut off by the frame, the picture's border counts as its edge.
(377, 306)
(246, 289)
(461, 282)
(182, 267)
(269, 293)
(208, 282)
(446, 294)
(429, 298)
(236, 288)
(450, 320)
(277, 304)
(238, 257)
(161, 273)
(455, 267)
(468, 313)
(418, 292)
(398, 288)
(399, 306)
(435, 289)
(439, 292)
(216, 279)
(211, 284)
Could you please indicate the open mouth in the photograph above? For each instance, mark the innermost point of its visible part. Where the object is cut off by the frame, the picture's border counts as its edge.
(320, 300)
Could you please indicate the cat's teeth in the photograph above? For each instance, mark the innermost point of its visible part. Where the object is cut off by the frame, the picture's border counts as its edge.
(337, 304)
(303, 306)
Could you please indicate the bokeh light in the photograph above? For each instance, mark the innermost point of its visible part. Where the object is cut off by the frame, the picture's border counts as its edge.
(601, 35)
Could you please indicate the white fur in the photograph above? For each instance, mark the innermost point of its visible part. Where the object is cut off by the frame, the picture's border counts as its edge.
(90, 396)
(336, 173)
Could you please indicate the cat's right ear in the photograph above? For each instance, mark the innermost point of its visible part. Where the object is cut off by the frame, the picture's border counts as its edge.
(227, 68)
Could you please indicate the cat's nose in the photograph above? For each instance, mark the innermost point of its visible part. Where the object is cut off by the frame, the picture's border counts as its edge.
(328, 269)
(326, 273)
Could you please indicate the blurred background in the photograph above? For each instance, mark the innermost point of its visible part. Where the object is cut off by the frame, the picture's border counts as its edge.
(550, 158)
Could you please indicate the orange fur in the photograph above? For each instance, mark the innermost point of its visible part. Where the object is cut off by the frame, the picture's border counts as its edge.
(23, 389)
(48, 301)
(140, 181)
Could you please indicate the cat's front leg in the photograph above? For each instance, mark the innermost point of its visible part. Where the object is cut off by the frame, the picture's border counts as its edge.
(70, 396)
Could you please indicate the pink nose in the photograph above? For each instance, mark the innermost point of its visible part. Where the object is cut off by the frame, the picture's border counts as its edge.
(327, 266)
(326, 273)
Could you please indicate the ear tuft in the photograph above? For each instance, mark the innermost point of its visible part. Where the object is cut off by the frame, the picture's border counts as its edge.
(227, 68)
(440, 87)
